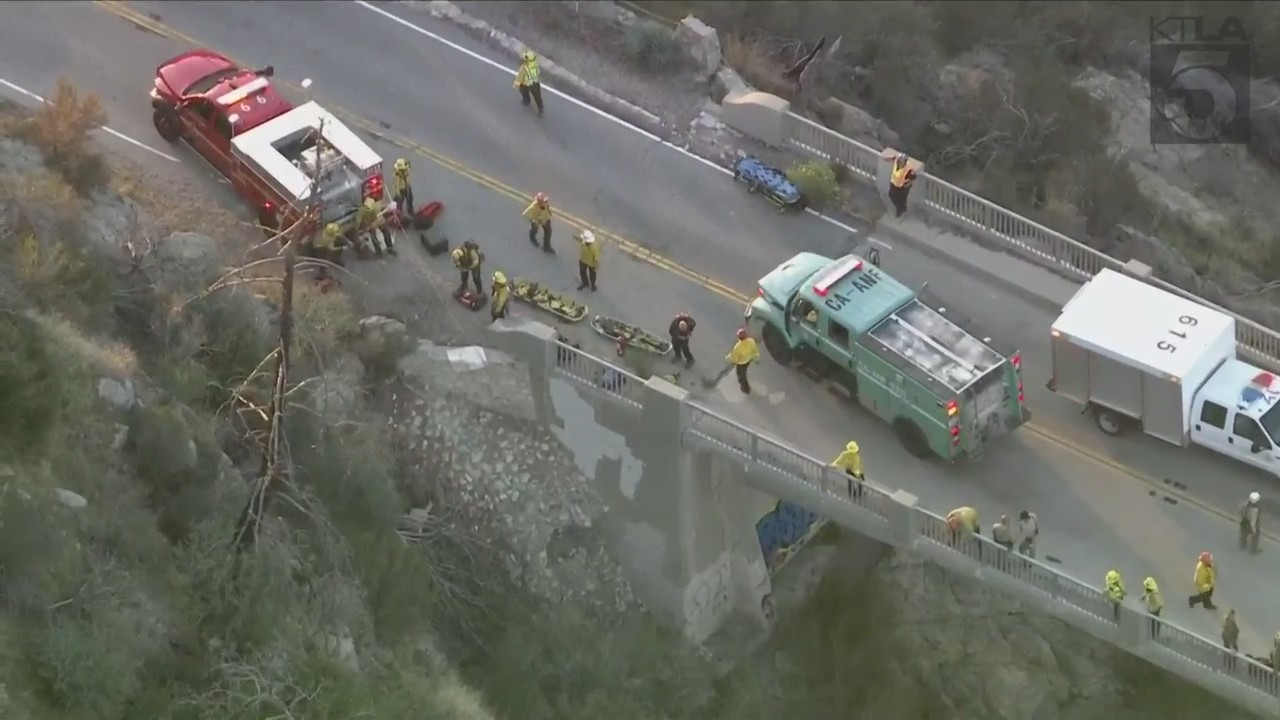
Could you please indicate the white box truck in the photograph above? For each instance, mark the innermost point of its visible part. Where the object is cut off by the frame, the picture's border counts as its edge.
(1138, 356)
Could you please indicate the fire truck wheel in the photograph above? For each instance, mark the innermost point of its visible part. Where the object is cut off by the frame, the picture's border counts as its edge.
(777, 345)
(269, 223)
(912, 438)
(165, 119)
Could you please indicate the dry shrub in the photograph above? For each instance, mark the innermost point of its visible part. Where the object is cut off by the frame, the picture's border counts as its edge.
(653, 47)
(817, 183)
(61, 127)
(755, 64)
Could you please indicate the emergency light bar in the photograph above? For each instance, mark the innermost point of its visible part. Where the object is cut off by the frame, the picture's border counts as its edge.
(243, 92)
(842, 269)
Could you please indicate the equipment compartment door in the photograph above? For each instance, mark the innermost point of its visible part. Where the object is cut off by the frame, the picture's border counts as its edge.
(1115, 386)
(1162, 412)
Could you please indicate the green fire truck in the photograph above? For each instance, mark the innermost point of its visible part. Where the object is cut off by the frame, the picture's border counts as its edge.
(923, 370)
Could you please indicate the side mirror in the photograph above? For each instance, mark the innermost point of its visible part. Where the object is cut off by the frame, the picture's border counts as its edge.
(268, 71)
(1257, 448)
(874, 256)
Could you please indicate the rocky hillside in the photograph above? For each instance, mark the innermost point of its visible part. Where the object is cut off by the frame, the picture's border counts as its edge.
(385, 581)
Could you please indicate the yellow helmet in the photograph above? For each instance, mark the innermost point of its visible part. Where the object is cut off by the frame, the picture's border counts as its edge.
(851, 447)
(528, 56)
(499, 278)
(1113, 577)
(402, 165)
(333, 228)
(1149, 584)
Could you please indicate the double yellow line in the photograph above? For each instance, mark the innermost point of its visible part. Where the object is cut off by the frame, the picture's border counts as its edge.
(627, 247)
(631, 248)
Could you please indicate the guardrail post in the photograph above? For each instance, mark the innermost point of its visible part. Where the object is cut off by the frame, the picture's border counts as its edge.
(904, 517)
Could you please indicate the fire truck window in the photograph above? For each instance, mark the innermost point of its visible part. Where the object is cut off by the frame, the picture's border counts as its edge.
(839, 334)
(223, 126)
(203, 108)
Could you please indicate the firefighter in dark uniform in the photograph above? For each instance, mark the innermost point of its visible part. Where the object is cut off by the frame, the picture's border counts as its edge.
(681, 330)
(468, 259)
(900, 183)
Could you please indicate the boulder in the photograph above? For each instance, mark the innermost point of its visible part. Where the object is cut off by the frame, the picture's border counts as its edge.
(336, 393)
(378, 327)
(197, 253)
(117, 394)
(857, 124)
(702, 43)
(72, 500)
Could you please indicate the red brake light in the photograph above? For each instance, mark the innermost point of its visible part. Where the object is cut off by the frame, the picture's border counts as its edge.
(373, 187)
(955, 431)
(760, 292)
(268, 206)
(953, 408)
(1017, 361)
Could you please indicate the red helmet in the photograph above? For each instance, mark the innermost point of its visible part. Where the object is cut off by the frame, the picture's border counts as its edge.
(540, 198)
(742, 333)
(1206, 558)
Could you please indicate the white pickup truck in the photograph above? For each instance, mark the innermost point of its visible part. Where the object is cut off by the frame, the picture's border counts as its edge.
(1139, 356)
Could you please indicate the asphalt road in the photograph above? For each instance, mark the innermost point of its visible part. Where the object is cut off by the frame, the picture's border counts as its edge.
(1132, 503)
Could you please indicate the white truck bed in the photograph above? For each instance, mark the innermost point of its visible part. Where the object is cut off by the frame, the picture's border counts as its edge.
(261, 149)
(1141, 351)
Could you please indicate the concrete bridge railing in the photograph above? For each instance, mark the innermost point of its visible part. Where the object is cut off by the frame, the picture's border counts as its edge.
(892, 517)
(626, 403)
(769, 119)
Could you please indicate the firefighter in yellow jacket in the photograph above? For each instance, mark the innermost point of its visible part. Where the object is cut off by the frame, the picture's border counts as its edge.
(370, 221)
(964, 519)
(901, 177)
(588, 260)
(528, 80)
(328, 247)
(539, 215)
(468, 259)
(500, 294)
(1151, 598)
(850, 461)
(402, 189)
(1205, 579)
(1113, 588)
(744, 352)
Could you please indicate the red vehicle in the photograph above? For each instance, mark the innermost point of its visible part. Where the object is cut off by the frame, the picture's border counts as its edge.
(275, 155)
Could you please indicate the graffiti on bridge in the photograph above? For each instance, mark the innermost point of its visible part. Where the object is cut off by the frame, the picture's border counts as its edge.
(783, 531)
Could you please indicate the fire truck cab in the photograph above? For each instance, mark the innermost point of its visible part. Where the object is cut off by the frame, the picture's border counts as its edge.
(283, 160)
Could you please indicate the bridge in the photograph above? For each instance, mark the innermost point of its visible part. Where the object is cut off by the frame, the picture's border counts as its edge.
(665, 456)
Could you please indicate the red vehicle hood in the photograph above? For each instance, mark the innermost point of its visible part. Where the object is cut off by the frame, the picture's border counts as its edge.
(183, 71)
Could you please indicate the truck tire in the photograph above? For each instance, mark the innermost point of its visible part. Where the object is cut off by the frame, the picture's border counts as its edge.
(269, 222)
(912, 438)
(165, 119)
(777, 346)
(1109, 421)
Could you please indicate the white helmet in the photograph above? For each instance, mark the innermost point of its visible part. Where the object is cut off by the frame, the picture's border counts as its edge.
(1254, 497)
(588, 237)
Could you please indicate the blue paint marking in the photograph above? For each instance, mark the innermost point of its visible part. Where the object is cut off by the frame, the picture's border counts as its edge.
(782, 531)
